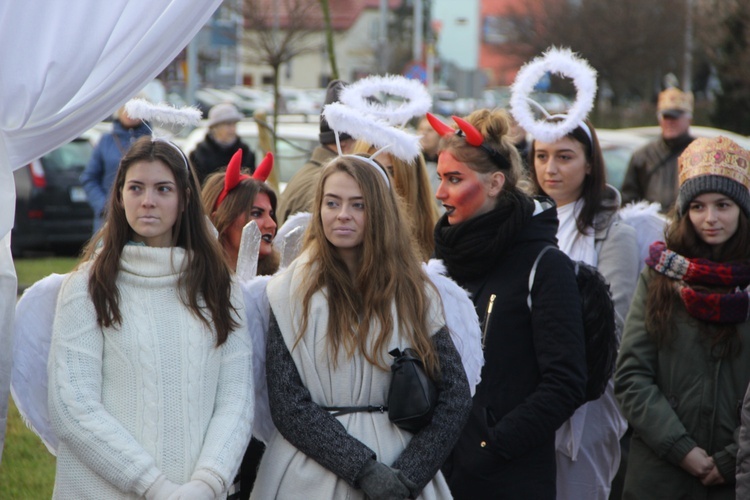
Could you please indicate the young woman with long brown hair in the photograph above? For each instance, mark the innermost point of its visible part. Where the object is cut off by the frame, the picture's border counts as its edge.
(150, 377)
(684, 362)
(355, 293)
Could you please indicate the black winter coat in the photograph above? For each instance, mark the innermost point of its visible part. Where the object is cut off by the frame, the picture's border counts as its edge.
(535, 369)
(210, 156)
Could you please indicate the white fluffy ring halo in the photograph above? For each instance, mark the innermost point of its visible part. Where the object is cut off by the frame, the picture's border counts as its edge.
(417, 100)
(562, 62)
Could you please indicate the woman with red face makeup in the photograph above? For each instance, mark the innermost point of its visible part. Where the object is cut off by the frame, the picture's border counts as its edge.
(534, 375)
(571, 171)
(247, 200)
(684, 361)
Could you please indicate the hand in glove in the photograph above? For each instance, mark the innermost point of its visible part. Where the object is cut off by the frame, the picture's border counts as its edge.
(161, 489)
(193, 490)
(380, 482)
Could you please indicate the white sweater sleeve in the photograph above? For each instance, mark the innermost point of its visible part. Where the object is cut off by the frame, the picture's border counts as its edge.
(75, 404)
(230, 428)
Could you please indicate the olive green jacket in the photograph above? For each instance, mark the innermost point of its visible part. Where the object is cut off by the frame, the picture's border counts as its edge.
(299, 194)
(676, 398)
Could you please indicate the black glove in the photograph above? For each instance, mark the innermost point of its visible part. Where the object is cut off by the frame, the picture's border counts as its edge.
(380, 482)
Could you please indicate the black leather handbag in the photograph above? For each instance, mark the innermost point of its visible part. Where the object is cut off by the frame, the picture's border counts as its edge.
(412, 395)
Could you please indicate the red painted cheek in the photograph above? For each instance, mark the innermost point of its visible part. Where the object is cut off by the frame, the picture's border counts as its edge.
(468, 201)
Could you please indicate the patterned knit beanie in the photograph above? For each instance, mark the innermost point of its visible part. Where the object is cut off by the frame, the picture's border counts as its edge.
(328, 136)
(715, 165)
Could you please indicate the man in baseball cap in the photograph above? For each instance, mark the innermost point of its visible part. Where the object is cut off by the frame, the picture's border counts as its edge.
(652, 172)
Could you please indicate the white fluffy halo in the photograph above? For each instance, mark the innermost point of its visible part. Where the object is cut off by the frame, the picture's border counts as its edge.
(375, 131)
(564, 62)
(162, 113)
(417, 99)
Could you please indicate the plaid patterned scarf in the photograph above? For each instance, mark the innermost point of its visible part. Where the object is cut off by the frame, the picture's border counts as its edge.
(724, 308)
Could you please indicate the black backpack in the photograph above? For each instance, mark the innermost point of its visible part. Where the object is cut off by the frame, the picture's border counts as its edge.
(599, 327)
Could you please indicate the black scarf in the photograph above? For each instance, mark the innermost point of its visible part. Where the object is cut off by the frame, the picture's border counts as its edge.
(471, 247)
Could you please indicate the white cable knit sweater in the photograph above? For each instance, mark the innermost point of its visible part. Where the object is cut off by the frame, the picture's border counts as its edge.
(152, 396)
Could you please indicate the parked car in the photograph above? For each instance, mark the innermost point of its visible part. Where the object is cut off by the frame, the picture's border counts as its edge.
(52, 212)
(296, 140)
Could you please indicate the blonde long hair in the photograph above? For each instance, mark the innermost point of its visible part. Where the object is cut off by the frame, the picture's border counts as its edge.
(389, 273)
(412, 184)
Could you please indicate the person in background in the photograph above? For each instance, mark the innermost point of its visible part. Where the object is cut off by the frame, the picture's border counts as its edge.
(684, 362)
(411, 182)
(220, 143)
(299, 192)
(249, 199)
(571, 171)
(150, 364)
(652, 171)
(356, 292)
(99, 174)
(534, 376)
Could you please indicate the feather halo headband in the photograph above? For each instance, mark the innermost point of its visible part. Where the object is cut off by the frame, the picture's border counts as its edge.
(561, 61)
(377, 123)
(141, 109)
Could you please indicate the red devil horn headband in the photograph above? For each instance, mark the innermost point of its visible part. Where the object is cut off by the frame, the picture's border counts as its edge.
(472, 135)
(232, 177)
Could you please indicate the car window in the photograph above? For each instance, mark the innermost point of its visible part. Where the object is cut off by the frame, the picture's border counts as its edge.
(71, 156)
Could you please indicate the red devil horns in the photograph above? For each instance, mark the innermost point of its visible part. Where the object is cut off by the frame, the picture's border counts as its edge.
(264, 169)
(440, 127)
(232, 177)
(473, 136)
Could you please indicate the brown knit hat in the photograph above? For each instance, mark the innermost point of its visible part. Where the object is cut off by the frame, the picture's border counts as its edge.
(717, 165)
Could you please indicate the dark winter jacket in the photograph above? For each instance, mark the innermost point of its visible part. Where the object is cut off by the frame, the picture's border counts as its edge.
(535, 370)
(99, 175)
(210, 156)
(677, 397)
(652, 172)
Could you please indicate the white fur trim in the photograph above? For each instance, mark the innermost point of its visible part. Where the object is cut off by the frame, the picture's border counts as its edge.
(162, 113)
(562, 62)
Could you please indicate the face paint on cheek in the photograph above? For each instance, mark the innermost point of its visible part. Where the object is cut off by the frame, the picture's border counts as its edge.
(469, 201)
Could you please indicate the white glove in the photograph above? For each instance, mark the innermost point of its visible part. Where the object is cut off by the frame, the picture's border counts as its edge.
(193, 490)
(161, 489)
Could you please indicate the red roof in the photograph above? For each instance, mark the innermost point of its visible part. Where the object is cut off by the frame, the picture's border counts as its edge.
(344, 13)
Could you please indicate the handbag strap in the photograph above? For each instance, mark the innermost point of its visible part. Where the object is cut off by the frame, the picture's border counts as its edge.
(345, 410)
(532, 274)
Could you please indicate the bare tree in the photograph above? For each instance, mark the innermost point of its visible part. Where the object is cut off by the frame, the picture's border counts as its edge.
(277, 31)
(723, 28)
(631, 43)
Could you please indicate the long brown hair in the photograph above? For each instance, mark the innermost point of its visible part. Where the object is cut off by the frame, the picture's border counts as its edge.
(412, 184)
(594, 183)
(389, 273)
(205, 285)
(663, 296)
(238, 202)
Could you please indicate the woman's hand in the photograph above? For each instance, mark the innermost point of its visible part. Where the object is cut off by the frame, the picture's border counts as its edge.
(714, 477)
(698, 463)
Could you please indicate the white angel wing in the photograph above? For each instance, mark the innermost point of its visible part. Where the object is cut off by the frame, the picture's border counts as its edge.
(289, 238)
(649, 225)
(461, 319)
(35, 314)
(258, 312)
(247, 257)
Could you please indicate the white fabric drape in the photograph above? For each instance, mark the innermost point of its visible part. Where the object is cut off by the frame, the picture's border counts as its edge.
(64, 66)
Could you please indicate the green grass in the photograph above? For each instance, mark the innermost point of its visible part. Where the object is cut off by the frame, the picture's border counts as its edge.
(28, 469)
(31, 270)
